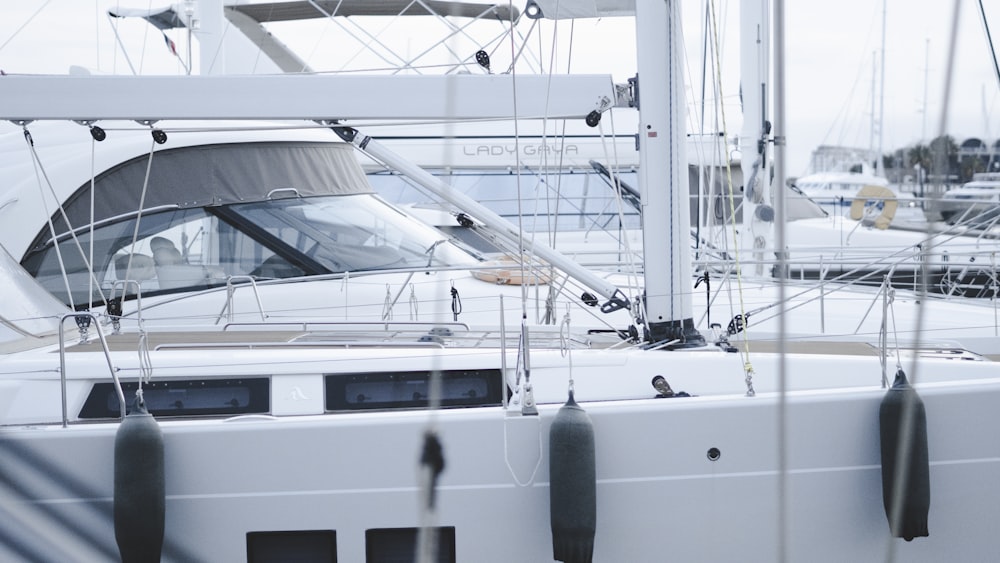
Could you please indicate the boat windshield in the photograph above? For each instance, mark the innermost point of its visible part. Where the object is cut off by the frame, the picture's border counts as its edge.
(182, 250)
(348, 234)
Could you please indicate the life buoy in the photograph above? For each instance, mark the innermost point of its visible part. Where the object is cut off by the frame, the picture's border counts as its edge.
(877, 193)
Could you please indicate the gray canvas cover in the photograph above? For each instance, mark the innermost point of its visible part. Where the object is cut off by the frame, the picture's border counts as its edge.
(203, 175)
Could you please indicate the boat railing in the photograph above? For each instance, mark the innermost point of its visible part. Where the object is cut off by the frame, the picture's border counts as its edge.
(311, 326)
(84, 321)
(227, 309)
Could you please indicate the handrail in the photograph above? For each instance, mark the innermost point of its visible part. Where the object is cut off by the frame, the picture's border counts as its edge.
(107, 355)
(312, 325)
(271, 193)
(296, 344)
(231, 289)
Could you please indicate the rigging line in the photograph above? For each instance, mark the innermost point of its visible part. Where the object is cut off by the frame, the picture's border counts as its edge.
(24, 25)
(93, 179)
(52, 229)
(632, 270)
(366, 45)
(118, 39)
(989, 40)
(145, 38)
(138, 216)
(517, 181)
(218, 48)
(455, 30)
(942, 128)
(745, 352)
(909, 421)
(39, 168)
(515, 58)
(552, 221)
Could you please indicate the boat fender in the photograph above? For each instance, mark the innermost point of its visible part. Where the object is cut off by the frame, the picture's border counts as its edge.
(878, 193)
(572, 484)
(906, 489)
(139, 497)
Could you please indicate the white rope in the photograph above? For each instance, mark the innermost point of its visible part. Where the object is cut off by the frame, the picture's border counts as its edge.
(138, 215)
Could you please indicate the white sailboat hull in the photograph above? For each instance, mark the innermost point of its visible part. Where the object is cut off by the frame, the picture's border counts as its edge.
(659, 495)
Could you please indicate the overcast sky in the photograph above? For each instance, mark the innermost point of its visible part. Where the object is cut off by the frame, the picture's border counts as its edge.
(831, 48)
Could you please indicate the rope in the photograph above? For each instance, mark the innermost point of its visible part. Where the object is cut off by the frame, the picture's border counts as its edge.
(24, 25)
(387, 305)
(48, 216)
(414, 305)
(745, 352)
(138, 216)
(456, 302)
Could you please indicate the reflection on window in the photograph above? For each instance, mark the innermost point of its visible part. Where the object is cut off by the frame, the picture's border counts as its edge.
(175, 250)
(352, 233)
(397, 545)
(191, 249)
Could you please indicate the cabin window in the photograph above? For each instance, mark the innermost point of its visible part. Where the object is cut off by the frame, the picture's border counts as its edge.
(192, 397)
(399, 545)
(410, 389)
(314, 546)
(176, 250)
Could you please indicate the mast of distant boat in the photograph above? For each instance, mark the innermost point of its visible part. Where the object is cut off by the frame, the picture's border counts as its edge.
(758, 210)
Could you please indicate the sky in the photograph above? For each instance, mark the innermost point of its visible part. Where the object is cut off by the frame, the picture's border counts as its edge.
(832, 53)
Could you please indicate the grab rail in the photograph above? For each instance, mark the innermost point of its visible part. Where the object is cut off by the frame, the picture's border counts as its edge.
(231, 289)
(91, 320)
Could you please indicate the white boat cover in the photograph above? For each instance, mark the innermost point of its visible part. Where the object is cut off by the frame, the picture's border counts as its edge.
(26, 309)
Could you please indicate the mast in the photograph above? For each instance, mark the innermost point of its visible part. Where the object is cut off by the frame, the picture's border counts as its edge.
(663, 174)
(757, 233)
(879, 165)
(208, 28)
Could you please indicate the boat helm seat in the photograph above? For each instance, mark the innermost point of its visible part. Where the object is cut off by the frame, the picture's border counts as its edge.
(167, 256)
(141, 269)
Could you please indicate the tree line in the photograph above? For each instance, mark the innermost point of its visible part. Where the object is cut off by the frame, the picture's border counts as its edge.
(941, 159)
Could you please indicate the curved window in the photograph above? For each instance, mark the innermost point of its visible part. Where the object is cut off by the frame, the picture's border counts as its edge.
(198, 248)
(348, 234)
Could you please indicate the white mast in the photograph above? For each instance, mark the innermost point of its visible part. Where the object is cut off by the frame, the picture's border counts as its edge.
(879, 165)
(208, 27)
(757, 234)
(663, 174)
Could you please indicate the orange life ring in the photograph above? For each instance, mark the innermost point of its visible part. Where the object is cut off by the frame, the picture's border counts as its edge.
(876, 193)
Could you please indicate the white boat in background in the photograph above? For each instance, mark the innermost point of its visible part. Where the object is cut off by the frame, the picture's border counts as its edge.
(441, 442)
(863, 196)
(976, 202)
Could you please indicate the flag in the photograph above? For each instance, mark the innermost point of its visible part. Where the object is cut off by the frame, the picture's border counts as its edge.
(170, 44)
